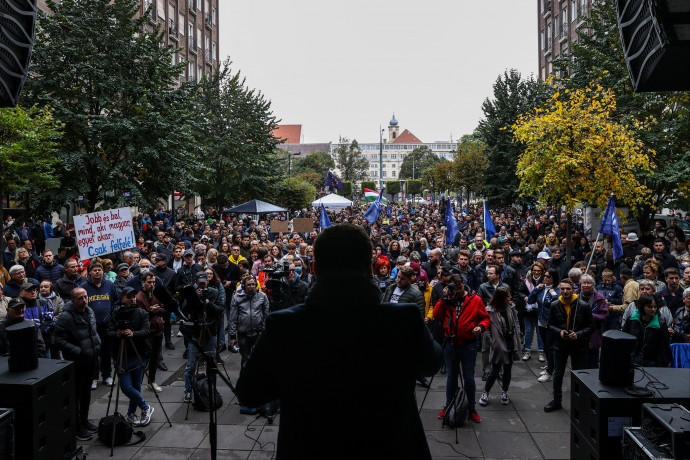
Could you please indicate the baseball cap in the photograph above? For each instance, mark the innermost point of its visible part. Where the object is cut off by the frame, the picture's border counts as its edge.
(161, 256)
(28, 286)
(188, 252)
(543, 255)
(201, 276)
(127, 290)
(122, 266)
(14, 303)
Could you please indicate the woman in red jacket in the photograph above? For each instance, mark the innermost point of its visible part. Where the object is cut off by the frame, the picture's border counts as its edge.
(464, 318)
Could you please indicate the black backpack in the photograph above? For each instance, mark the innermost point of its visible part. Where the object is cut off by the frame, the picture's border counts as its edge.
(200, 386)
(456, 411)
(123, 430)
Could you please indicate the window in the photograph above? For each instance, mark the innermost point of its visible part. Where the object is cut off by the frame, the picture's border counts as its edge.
(394, 156)
(199, 74)
(207, 43)
(180, 23)
(214, 55)
(573, 10)
(393, 174)
(198, 4)
(213, 16)
(384, 174)
(393, 165)
(198, 38)
(160, 8)
(190, 71)
(385, 157)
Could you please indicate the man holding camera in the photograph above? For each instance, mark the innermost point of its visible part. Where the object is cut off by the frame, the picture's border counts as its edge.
(149, 303)
(130, 325)
(296, 290)
(464, 318)
(202, 312)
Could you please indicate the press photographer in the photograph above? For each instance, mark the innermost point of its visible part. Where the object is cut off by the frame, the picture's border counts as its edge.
(202, 310)
(284, 286)
(130, 325)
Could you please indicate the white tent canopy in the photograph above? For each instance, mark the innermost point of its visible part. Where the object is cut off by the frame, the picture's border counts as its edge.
(332, 200)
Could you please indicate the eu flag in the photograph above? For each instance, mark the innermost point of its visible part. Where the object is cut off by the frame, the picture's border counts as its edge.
(488, 223)
(333, 181)
(609, 226)
(374, 211)
(451, 224)
(324, 221)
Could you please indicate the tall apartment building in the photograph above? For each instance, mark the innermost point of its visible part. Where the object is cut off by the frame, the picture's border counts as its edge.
(558, 22)
(188, 24)
(394, 149)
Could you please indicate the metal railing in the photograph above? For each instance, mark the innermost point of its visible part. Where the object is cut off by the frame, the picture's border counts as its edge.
(192, 44)
(172, 29)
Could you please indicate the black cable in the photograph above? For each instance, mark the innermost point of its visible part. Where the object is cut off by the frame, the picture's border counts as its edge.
(251, 428)
(453, 448)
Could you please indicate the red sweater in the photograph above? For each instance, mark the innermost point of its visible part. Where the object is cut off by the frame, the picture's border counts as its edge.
(471, 314)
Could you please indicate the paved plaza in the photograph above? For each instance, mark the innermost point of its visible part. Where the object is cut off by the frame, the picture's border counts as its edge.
(520, 430)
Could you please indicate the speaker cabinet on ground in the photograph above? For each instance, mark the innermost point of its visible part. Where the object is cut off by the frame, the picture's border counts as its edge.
(617, 351)
(17, 26)
(598, 412)
(656, 42)
(43, 399)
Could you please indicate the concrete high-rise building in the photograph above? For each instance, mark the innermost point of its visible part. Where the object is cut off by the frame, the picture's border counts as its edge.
(558, 22)
(188, 24)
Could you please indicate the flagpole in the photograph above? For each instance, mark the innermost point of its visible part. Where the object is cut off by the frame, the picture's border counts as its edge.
(595, 244)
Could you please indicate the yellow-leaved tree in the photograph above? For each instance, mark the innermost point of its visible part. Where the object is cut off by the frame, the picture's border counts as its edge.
(575, 152)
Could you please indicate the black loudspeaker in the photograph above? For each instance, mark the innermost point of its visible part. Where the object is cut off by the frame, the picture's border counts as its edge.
(22, 344)
(617, 355)
(17, 27)
(44, 403)
(656, 42)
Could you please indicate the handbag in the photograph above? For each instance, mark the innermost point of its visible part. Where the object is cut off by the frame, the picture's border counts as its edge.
(123, 430)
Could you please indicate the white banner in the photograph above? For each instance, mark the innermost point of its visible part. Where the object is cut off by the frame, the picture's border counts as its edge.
(103, 232)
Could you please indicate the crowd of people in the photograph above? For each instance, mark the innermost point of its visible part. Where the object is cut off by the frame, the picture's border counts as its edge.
(480, 294)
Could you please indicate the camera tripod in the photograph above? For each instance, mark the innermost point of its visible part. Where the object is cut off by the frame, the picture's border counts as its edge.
(211, 371)
(121, 355)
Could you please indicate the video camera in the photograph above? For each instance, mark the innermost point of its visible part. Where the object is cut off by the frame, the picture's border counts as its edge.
(277, 271)
(121, 316)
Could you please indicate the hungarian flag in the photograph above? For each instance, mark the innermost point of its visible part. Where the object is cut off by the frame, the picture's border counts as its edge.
(370, 195)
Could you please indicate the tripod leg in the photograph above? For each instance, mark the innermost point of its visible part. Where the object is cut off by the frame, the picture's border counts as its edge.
(426, 393)
(116, 381)
(141, 363)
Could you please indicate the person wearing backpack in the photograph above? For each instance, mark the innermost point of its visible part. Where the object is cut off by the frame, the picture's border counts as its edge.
(464, 319)
(504, 335)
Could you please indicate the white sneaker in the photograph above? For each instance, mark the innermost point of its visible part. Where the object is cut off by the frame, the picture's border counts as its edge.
(484, 400)
(109, 381)
(545, 378)
(179, 334)
(543, 372)
(94, 384)
(526, 355)
(542, 356)
(132, 419)
(153, 386)
(504, 398)
(145, 417)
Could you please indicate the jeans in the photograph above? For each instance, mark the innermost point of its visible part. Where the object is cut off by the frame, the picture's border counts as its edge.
(578, 360)
(530, 329)
(208, 344)
(455, 356)
(246, 344)
(156, 344)
(495, 369)
(130, 383)
(547, 339)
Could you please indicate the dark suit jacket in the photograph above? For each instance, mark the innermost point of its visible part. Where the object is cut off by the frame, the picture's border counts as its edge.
(344, 368)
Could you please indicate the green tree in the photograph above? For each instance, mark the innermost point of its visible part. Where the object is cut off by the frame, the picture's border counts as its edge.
(414, 186)
(350, 161)
(313, 178)
(346, 190)
(112, 83)
(470, 165)
(417, 161)
(660, 119)
(239, 148)
(28, 151)
(294, 193)
(512, 96)
(318, 162)
(370, 184)
(393, 187)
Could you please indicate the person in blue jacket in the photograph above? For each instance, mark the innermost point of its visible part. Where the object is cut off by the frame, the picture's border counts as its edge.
(40, 312)
(103, 297)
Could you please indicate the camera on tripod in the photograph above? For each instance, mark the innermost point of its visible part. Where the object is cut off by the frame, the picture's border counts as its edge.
(278, 271)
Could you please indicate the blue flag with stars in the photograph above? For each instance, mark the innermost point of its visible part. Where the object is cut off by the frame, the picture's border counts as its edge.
(333, 181)
(451, 224)
(374, 211)
(609, 226)
(488, 223)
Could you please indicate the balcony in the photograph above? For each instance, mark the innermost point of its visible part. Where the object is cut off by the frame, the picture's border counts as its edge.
(153, 13)
(563, 33)
(192, 44)
(547, 7)
(208, 56)
(208, 20)
(192, 6)
(172, 29)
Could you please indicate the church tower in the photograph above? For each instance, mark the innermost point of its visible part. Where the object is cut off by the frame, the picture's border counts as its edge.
(392, 129)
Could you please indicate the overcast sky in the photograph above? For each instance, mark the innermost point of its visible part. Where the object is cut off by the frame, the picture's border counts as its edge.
(342, 68)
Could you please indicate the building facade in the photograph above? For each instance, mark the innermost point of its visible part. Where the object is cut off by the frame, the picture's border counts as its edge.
(191, 25)
(558, 23)
(393, 151)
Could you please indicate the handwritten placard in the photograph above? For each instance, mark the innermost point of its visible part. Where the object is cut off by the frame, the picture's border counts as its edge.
(103, 232)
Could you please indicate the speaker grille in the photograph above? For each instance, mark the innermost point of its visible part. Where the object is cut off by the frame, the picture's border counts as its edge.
(17, 27)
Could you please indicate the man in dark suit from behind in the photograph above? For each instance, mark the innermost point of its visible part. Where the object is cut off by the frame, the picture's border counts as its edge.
(312, 358)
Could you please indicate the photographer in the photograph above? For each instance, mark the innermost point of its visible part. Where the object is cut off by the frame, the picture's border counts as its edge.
(149, 303)
(202, 312)
(130, 325)
(464, 318)
(296, 290)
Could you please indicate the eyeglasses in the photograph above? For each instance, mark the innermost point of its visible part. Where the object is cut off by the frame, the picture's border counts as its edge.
(548, 276)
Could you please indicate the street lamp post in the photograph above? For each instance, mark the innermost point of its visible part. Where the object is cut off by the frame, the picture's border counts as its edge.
(380, 156)
(290, 155)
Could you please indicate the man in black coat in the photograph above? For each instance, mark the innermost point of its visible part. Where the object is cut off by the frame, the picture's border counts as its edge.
(571, 322)
(312, 356)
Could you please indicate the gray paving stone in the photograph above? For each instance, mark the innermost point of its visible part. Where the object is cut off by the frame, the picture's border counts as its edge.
(162, 453)
(101, 452)
(500, 421)
(233, 437)
(222, 454)
(180, 435)
(554, 445)
(538, 421)
(442, 444)
(507, 445)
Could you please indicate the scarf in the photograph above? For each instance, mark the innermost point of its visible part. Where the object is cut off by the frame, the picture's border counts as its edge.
(566, 305)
